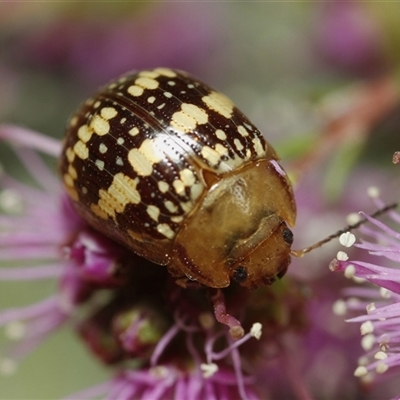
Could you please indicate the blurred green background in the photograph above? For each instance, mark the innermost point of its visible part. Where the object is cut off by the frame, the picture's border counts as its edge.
(276, 60)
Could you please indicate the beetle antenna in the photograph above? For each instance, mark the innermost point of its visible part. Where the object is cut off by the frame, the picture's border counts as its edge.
(348, 228)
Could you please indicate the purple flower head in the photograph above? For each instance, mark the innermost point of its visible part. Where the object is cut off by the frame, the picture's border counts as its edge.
(96, 48)
(164, 340)
(168, 382)
(349, 38)
(379, 303)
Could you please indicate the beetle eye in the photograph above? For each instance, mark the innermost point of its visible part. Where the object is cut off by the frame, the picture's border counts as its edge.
(287, 236)
(240, 274)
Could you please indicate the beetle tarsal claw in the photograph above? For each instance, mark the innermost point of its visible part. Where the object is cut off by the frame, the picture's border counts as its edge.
(235, 328)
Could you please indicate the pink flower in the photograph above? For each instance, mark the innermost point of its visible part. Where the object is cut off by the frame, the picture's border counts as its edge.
(96, 49)
(377, 305)
(349, 38)
(160, 340)
(169, 332)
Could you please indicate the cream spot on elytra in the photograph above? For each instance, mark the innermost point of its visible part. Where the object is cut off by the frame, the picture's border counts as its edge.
(72, 172)
(258, 146)
(163, 186)
(178, 186)
(165, 72)
(242, 130)
(70, 154)
(99, 164)
(143, 158)
(85, 133)
(187, 177)
(189, 117)
(165, 230)
(212, 156)
(114, 200)
(221, 135)
(135, 90)
(220, 149)
(73, 121)
(103, 148)
(108, 113)
(81, 150)
(134, 131)
(100, 126)
(238, 144)
(149, 74)
(219, 103)
(170, 206)
(140, 163)
(196, 190)
(153, 212)
(147, 83)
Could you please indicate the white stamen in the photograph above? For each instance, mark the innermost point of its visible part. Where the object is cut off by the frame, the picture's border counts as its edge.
(342, 256)
(366, 327)
(8, 366)
(159, 371)
(380, 355)
(11, 201)
(353, 218)
(256, 330)
(207, 320)
(381, 368)
(347, 239)
(209, 369)
(357, 279)
(15, 330)
(363, 360)
(360, 371)
(385, 293)
(367, 379)
(350, 271)
(373, 192)
(370, 307)
(353, 302)
(384, 341)
(368, 341)
(339, 307)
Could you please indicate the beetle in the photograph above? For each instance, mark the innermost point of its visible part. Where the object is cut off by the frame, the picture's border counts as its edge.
(170, 168)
